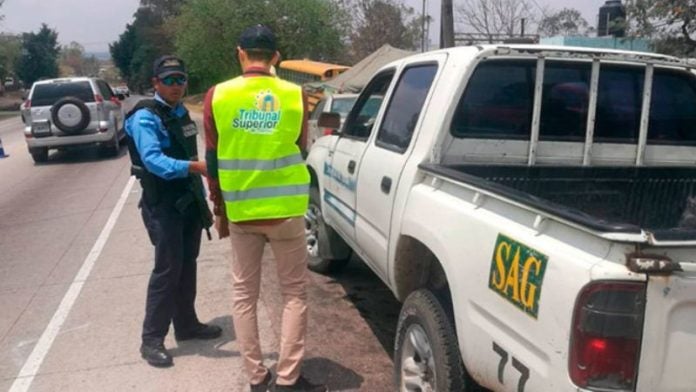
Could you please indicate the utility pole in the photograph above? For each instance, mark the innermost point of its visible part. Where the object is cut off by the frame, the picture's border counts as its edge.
(446, 24)
(423, 28)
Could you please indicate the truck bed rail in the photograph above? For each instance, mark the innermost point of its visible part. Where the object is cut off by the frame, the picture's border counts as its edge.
(659, 200)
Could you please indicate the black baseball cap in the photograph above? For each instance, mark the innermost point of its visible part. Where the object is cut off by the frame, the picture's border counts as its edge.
(258, 37)
(168, 65)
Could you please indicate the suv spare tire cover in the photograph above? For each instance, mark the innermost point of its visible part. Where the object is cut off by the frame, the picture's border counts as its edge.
(70, 114)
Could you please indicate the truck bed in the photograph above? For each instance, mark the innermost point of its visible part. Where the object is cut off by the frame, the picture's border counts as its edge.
(659, 200)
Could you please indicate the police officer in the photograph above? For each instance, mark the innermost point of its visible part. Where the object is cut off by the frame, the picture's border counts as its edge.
(162, 145)
(259, 181)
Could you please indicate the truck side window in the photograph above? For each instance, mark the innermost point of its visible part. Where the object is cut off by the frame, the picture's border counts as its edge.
(405, 107)
(362, 117)
(565, 100)
(672, 108)
(497, 102)
(619, 102)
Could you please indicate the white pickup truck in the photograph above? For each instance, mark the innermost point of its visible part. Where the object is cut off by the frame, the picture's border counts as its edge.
(533, 207)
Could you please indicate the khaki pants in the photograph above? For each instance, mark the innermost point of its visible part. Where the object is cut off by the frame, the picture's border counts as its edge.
(289, 247)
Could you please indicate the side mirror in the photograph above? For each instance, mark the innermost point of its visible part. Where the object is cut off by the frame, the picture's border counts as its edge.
(120, 97)
(329, 120)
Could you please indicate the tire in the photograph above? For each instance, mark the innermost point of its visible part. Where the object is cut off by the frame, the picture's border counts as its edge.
(426, 352)
(39, 154)
(70, 115)
(322, 240)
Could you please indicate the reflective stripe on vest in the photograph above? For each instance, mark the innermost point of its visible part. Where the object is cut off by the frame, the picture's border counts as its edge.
(261, 171)
(259, 164)
(260, 193)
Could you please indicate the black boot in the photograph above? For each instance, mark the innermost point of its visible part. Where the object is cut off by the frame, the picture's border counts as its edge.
(263, 385)
(200, 331)
(156, 355)
(301, 385)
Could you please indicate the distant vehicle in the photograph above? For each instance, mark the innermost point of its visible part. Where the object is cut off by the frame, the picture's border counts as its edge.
(335, 103)
(61, 113)
(122, 90)
(307, 71)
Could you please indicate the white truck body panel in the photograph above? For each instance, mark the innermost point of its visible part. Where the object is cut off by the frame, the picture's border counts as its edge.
(467, 227)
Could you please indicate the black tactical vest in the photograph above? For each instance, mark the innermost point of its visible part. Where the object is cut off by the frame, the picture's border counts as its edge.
(183, 193)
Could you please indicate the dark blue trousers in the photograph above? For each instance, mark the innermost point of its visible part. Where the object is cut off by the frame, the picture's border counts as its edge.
(171, 293)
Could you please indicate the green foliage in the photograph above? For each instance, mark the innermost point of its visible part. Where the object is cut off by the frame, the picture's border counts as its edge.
(567, 22)
(74, 62)
(671, 24)
(207, 32)
(39, 57)
(10, 50)
(144, 40)
(379, 22)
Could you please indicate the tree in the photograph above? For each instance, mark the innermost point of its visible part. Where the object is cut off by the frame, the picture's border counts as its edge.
(39, 58)
(10, 51)
(207, 32)
(567, 21)
(493, 18)
(379, 22)
(149, 36)
(671, 24)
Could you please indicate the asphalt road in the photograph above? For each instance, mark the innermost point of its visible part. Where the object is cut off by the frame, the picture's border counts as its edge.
(74, 264)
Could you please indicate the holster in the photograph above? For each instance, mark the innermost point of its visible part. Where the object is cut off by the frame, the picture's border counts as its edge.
(148, 183)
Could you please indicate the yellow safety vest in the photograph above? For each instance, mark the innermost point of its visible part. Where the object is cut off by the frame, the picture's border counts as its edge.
(261, 171)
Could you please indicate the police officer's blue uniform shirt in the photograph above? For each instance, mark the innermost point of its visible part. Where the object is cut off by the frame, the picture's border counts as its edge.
(151, 137)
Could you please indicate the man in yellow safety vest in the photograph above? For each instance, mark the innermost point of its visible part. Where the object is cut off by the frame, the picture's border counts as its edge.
(258, 180)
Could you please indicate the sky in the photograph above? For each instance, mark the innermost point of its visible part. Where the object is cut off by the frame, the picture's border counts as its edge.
(96, 23)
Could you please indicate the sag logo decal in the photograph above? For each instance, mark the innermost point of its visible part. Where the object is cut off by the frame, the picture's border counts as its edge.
(517, 273)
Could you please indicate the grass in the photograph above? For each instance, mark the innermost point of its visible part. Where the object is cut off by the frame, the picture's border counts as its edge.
(6, 115)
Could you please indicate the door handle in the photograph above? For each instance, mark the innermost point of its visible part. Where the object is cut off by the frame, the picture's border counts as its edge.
(351, 167)
(385, 185)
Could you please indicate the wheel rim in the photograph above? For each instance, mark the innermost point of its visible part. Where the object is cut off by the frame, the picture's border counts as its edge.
(417, 362)
(312, 221)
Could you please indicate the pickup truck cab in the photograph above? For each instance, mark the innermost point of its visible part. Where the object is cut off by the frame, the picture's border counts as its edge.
(533, 207)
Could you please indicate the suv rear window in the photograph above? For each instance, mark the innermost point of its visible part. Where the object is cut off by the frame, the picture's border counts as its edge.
(46, 94)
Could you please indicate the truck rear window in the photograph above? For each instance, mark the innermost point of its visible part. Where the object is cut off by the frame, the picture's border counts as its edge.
(499, 98)
(46, 94)
(497, 102)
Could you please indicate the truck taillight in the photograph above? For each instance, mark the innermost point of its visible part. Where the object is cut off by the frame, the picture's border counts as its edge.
(28, 104)
(606, 336)
(98, 98)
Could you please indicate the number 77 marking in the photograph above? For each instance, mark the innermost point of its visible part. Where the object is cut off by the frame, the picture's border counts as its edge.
(519, 366)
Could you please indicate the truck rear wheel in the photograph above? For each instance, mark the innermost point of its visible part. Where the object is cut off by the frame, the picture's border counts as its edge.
(426, 352)
(321, 239)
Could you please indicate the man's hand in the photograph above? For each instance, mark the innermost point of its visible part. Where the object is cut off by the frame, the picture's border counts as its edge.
(199, 167)
(222, 226)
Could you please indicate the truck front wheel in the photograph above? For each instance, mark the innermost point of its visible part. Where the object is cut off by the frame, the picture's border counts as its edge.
(328, 253)
(426, 353)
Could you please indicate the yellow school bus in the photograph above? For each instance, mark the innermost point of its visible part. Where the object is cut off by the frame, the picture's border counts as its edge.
(304, 72)
(308, 71)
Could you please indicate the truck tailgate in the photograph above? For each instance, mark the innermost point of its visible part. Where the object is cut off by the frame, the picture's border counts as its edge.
(668, 351)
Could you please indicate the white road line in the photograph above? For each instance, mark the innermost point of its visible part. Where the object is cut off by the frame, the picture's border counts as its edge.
(31, 366)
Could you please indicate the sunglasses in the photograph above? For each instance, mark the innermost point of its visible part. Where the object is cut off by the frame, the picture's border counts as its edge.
(172, 80)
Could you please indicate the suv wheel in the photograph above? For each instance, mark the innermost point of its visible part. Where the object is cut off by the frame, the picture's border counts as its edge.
(426, 352)
(322, 240)
(70, 115)
(39, 154)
